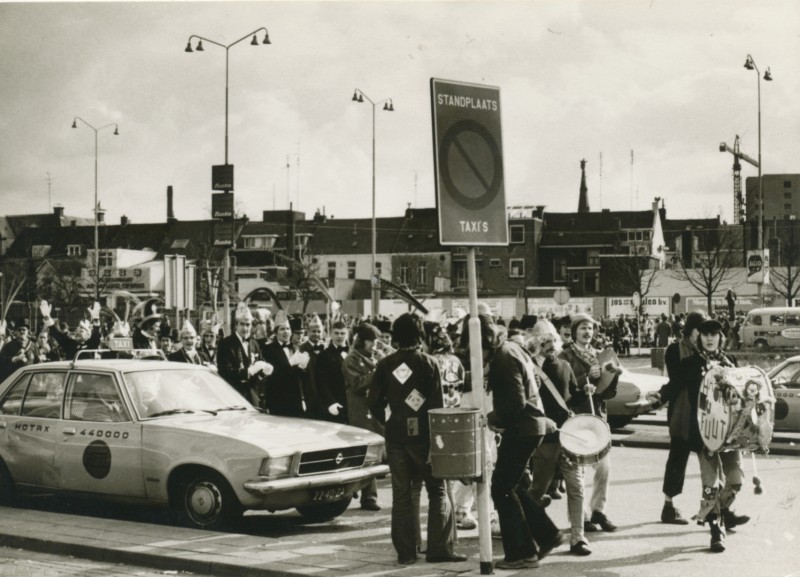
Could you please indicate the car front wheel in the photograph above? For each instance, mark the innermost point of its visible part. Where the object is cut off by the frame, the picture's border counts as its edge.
(324, 511)
(208, 502)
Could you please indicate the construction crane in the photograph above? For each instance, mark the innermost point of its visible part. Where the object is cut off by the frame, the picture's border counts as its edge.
(739, 215)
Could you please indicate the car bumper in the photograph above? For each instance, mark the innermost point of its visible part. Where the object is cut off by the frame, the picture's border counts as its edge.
(315, 481)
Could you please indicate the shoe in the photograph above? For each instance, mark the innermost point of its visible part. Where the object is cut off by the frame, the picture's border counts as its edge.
(717, 534)
(589, 527)
(370, 506)
(465, 520)
(409, 561)
(669, 514)
(557, 541)
(496, 533)
(449, 558)
(528, 563)
(731, 519)
(580, 548)
(543, 501)
(554, 494)
(599, 518)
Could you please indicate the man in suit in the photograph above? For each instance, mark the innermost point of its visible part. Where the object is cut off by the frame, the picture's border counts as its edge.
(188, 352)
(146, 335)
(329, 378)
(239, 359)
(18, 352)
(313, 345)
(283, 389)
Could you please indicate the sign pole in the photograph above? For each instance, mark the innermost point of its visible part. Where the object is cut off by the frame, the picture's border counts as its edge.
(476, 373)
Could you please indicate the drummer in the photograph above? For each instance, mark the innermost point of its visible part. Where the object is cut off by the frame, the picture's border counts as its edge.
(714, 466)
(582, 357)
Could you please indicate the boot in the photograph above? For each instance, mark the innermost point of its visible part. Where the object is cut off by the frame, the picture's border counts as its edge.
(717, 534)
(731, 519)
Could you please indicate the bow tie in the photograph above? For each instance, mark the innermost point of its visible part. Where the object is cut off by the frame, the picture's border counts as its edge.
(341, 349)
(287, 346)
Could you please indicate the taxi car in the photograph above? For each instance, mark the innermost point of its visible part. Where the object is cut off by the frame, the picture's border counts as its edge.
(174, 435)
(786, 383)
(631, 388)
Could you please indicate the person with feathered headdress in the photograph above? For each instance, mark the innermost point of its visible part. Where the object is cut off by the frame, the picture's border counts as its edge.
(86, 335)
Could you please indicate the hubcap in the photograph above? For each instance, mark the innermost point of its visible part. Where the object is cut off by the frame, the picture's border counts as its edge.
(204, 502)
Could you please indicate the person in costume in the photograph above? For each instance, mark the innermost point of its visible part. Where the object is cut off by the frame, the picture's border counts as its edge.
(284, 388)
(239, 359)
(18, 352)
(86, 335)
(146, 335)
(329, 378)
(188, 352)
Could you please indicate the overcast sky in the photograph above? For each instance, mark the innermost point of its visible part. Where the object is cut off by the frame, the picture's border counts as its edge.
(664, 79)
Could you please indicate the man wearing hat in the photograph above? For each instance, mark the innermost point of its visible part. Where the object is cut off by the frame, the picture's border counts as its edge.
(146, 335)
(86, 335)
(315, 343)
(18, 352)
(582, 357)
(359, 369)
(284, 392)
(329, 378)
(239, 359)
(188, 352)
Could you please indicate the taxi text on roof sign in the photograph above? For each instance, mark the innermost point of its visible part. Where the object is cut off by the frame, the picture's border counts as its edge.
(468, 161)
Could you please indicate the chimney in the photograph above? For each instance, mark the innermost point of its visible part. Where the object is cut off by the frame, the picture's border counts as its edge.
(58, 211)
(123, 220)
(73, 223)
(170, 213)
(583, 200)
(101, 215)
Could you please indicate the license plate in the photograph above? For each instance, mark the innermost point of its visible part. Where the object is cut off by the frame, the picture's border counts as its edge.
(328, 494)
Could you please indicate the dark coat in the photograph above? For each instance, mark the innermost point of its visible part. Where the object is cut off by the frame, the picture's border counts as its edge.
(330, 383)
(180, 356)
(579, 400)
(283, 389)
(232, 363)
(70, 347)
(8, 352)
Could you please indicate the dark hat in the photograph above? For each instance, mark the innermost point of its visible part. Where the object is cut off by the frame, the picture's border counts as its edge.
(151, 311)
(296, 324)
(19, 324)
(384, 326)
(367, 332)
(527, 322)
(710, 326)
(693, 321)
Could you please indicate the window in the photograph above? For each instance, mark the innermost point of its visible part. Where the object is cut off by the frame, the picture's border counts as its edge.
(92, 397)
(494, 263)
(422, 274)
(560, 269)
(351, 269)
(106, 258)
(180, 243)
(461, 274)
(517, 233)
(13, 402)
(379, 269)
(404, 273)
(331, 270)
(787, 207)
(74, 250)
(787, 195)
(575, 278)
(593, 257)
(516, 268)
(787, 184)
(591, 282)
(45, 395)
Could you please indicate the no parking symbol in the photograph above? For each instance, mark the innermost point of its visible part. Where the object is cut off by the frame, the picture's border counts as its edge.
(468, 158)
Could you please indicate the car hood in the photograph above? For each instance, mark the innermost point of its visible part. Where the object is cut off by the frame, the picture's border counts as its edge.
(267, 432)
(643, 381)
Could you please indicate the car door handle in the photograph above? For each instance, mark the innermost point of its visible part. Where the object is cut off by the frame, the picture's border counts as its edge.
(70, 431)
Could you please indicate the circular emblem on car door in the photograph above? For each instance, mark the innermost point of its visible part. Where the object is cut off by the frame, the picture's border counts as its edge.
(97, 459)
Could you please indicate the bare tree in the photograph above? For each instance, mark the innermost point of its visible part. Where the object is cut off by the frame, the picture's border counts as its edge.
(785, 279)
(304, 278)
(716, 252)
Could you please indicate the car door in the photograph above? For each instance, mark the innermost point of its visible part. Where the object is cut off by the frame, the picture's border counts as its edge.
(786, 383)
(29, 415)
(100, 445)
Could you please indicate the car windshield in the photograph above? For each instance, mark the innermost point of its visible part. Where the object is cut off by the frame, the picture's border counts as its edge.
(160, 393)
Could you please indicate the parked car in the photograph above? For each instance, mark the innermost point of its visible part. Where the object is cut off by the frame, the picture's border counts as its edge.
(771, 328)
(786, 384)
(631, 387)
(173, 434)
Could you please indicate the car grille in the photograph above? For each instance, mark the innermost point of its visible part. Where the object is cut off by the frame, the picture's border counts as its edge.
(331, 460)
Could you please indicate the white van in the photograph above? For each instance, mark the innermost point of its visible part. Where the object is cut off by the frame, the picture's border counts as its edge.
(771, 328)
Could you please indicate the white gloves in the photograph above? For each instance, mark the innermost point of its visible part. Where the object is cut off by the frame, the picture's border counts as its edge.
(260, 367)
(45, 309)
(94, 311)
(334, 409)
(299, 359)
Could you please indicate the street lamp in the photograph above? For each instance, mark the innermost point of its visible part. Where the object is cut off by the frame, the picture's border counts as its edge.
(227, 47)
(96, 204)
(359, 96)
(750, 64)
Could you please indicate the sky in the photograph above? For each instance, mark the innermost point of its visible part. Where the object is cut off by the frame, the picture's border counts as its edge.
(645, 91)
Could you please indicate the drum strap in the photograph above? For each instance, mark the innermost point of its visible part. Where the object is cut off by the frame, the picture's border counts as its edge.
(550, 387)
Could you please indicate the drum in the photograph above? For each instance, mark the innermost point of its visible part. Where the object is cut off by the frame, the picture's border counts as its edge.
(736, 409)
(585, 439)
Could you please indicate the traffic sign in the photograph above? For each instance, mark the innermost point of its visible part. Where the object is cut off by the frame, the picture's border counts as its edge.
(561, 296)
(758, 266)
(468, 161)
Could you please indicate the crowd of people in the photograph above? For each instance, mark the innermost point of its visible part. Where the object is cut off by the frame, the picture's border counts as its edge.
(539, 373)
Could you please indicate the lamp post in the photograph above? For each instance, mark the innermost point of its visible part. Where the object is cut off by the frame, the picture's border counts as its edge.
(199, 48)
(96, 205)
(750, 64)
(359, 96)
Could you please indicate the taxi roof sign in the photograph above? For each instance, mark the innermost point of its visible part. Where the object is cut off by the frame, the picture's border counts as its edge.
(468, 163)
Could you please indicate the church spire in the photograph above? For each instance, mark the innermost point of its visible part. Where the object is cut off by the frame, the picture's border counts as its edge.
(583, 201)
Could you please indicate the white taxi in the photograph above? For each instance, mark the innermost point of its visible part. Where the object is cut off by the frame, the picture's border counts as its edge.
(786, 384)
(173, 434)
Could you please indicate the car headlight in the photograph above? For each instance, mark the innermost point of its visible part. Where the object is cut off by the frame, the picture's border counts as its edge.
(274, 467)
(375, 454)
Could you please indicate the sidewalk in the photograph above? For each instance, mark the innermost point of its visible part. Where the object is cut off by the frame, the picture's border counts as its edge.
(358, 544)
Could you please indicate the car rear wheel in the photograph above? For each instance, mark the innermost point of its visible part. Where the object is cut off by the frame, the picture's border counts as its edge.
(208, 502)
(324, 511)
(761, 346)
